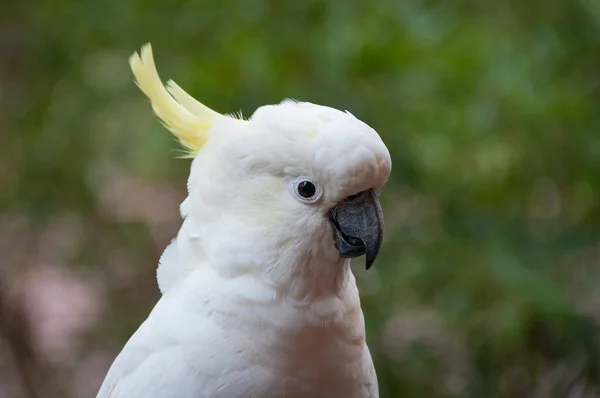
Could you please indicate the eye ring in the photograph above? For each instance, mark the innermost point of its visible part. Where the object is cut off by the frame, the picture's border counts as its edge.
(306, 190)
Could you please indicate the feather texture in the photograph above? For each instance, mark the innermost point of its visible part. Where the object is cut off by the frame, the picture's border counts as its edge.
(256, 299)
(189, 120)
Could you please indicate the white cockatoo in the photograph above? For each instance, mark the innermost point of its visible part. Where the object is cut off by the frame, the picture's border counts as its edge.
(258, 299)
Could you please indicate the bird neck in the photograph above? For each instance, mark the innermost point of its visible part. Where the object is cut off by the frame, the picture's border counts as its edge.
(315, 276)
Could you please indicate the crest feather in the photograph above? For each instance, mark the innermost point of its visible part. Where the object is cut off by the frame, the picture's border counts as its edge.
(188, 119)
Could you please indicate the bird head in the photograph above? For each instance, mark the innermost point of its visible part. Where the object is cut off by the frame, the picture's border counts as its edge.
(289, 192)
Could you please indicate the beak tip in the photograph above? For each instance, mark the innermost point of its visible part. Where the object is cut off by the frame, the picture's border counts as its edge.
(370, 259)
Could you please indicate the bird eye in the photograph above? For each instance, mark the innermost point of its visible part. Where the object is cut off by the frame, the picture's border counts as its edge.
(306, 189)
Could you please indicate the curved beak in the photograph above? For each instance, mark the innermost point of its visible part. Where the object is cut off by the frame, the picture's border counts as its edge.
(358, 226)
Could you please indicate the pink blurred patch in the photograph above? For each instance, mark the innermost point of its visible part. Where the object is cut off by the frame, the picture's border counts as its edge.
(61, 306)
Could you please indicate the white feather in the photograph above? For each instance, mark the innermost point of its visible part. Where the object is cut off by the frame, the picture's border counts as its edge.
(256, 299)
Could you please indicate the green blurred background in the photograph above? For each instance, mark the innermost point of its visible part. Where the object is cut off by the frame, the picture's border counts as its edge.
(488, 281)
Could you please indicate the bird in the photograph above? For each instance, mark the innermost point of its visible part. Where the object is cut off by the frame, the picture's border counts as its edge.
(258, 297)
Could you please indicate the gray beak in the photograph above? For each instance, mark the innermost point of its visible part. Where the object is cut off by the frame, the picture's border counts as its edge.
(358, 226)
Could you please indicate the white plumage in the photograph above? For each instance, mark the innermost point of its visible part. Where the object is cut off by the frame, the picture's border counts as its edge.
(258, 299)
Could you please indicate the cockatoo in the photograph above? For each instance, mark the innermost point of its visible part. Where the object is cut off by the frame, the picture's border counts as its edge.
(258, 298)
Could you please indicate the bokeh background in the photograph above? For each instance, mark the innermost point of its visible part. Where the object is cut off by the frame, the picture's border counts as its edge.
(488, 283)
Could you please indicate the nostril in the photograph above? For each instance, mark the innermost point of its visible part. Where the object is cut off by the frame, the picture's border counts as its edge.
(352, 198)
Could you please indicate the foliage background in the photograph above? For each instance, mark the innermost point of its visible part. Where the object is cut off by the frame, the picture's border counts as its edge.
(488, 281)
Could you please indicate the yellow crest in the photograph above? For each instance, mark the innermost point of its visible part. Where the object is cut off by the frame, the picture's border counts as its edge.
(188, 119)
